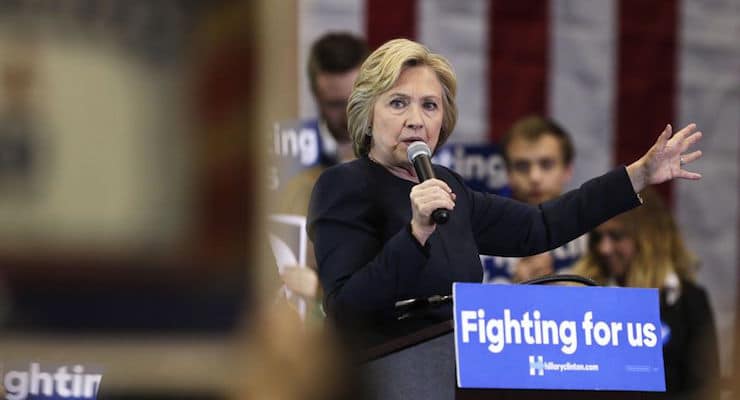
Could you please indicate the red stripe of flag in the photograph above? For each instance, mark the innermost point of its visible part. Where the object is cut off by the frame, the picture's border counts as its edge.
(646, 77)
(518, 61)
(389, 19)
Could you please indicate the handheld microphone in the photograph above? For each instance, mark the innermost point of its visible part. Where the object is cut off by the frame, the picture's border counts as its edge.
(420, 155)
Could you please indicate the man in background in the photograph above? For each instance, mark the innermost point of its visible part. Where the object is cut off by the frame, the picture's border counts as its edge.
(539, 162)
(333, 64)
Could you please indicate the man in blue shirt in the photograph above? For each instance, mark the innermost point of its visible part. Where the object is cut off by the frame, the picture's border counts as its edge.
(539, 162)
(333, 64)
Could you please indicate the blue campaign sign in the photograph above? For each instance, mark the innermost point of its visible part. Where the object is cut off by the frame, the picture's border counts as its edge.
(294, 147)
(481, 166)
(558, 337)
(34, 381)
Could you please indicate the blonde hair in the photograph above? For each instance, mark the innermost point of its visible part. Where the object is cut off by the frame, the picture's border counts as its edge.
(659, 247)
(380, 72)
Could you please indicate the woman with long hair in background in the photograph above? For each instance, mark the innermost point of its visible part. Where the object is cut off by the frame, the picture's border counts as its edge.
(643, 248)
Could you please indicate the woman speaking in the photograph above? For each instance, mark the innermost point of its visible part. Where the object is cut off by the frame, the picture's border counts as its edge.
(370, 219)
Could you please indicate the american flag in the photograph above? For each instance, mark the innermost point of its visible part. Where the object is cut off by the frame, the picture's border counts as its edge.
(612, 72)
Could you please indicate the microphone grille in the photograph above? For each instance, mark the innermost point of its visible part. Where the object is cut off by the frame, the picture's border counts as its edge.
(418, 148)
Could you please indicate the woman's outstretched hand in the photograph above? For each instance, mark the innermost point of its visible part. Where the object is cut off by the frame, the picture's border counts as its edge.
(666, 159)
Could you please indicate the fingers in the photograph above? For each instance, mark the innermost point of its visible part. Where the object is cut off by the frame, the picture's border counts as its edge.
(432, 199)
(664, 136)
(433, 183)
(689, 175)
(303, 281)
(684, 132)
(691, 140)
(690, 157)
(431, 195)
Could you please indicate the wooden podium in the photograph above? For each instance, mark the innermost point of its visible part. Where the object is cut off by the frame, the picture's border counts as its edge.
(421, 365)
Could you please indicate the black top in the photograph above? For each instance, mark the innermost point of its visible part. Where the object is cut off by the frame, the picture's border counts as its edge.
(690, 347)
(368, 260)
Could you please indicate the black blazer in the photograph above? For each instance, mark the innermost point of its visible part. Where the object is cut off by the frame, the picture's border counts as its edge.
(368, 260)
(690, 349)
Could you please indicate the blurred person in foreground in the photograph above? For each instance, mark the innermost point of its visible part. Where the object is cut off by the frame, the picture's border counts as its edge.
(333, 64)
(288, 360)
(370, 219)
(283, 357)
(539, 164)
(643, 248)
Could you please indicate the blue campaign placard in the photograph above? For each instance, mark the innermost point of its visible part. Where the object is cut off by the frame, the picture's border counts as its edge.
(295, 146)
(558, 337)
(481, 166)
(50, 381)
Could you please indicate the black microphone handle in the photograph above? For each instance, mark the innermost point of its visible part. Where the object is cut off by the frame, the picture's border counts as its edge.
(440, 216)
(423, 167)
